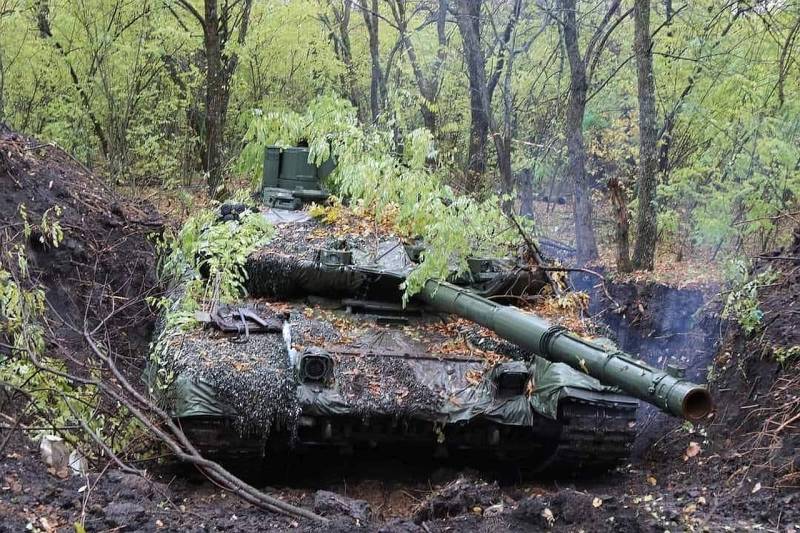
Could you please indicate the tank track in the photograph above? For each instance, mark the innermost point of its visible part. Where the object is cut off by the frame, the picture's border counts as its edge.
(595, 437)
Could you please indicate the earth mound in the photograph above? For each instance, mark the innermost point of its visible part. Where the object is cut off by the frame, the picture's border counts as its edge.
(105, 263)
(758, 376)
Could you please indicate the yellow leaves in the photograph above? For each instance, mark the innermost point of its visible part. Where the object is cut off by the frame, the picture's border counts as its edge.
(565, 311)
(375, 387)
(474, 377)
(327, 214)
(652, 481)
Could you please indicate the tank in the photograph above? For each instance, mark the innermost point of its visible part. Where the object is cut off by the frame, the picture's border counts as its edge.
(323, 354)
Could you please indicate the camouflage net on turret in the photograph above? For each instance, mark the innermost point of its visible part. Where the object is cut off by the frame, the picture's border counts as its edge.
(253, 379)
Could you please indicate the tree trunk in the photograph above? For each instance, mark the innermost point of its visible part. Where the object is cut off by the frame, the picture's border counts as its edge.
(346, 55)
(622, 230)
(576, 107)
(377, 89)
(2, 87)
(468, 19)
(646, 219)
(525, 192)
(215, 96)
(428, 85)
(502, 145)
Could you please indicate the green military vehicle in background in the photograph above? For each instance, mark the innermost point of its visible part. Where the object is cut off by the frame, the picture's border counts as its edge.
(324, 353)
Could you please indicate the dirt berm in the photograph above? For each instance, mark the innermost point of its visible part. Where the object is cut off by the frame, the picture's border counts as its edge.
(105, 261)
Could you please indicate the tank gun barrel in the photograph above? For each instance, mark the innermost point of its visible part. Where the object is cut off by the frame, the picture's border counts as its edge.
(672, 394)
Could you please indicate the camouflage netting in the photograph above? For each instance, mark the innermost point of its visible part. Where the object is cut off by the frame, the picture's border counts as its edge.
(250, 378)
(367, 384)
(385, 385)
(281, 276)
(253, 379)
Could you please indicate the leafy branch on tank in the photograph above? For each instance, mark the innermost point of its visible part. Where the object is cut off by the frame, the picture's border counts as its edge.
(396, 183)
(204, 265)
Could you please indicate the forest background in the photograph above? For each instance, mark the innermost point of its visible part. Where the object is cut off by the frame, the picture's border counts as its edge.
(668, 129)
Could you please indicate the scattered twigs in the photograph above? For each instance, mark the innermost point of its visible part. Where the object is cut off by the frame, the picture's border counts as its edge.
(790, 215)
(586, 271)
(536, 254)
(778, 412)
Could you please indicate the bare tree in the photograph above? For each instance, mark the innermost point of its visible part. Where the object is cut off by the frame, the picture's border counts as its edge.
(339, 34)
(481, 85)
(468, 17)
(377, 90)
(220, 23)
(45, 32)
(503, 136)
(428, 84)
(581, 70)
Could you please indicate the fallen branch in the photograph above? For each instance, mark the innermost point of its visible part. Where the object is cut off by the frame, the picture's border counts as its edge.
(586, 271)
(180, 445)
(536, 254)
(779, 257)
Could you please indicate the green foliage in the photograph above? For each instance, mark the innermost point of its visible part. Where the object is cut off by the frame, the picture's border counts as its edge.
(784, 355)
(400, 189)
(724, 73)
(205, 262)
(53, 399)
(742, 302)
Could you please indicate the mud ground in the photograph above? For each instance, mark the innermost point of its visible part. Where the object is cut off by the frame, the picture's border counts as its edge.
(736, 471)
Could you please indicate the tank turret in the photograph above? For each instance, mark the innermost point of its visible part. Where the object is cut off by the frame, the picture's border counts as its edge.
(667, 391)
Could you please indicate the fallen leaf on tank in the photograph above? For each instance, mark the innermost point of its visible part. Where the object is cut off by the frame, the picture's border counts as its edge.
(692, 450)
(474, 377)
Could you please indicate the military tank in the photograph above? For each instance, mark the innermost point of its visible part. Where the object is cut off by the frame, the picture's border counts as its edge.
(324, 354)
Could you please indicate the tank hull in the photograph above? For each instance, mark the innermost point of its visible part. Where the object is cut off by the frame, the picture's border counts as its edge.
(406, 378)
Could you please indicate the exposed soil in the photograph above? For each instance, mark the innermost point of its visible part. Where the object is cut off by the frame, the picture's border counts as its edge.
(105, 258)
(737, 471)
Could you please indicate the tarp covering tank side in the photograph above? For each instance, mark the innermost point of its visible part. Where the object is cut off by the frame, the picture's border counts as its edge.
(551, 382)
